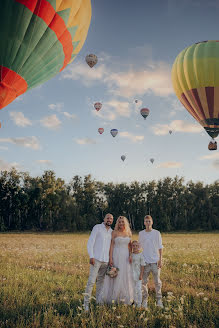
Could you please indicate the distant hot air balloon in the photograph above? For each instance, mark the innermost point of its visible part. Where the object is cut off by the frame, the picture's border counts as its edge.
(114, 132)
(91, 60)
(101, 130)
(123, 157)
(152, 160)
(38, 39)
(136, 101)
(195, 77)
(0, 125)
(145, 112)
(97, 106)
(170, 131)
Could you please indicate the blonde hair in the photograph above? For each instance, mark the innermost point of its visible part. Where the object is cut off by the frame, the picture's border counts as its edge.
(127, 226)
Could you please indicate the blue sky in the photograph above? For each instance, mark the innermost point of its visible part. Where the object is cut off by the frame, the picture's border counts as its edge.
(55, 125)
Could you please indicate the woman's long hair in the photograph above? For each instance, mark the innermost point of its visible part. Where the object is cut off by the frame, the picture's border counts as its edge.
(127, 226)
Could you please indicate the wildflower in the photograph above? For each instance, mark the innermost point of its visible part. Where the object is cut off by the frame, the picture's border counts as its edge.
(118, 316)
(79, 308)
(205, 299)
(170, 293)
(184, 265)
(114, 308)
(113, 301)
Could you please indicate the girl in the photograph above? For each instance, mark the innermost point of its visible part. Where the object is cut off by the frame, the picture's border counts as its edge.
(138, 264)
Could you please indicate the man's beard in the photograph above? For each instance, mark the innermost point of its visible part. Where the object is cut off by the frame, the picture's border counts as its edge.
(108, 223)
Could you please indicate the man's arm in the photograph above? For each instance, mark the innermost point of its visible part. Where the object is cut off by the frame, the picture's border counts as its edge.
(159, 263)
(90, 244)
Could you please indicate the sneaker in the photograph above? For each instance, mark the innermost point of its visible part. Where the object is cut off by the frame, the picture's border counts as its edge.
(160, 304)
(145, 305)
(86, 307)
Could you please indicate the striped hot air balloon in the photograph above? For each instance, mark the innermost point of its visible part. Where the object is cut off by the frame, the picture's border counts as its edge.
(114, 132)
(195, 77)
(145, 112)
(38, 39)
(97, 106)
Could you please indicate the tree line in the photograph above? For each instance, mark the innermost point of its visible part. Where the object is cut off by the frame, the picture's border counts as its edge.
(47, 203)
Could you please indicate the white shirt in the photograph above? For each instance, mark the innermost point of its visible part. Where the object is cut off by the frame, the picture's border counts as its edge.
(98, 245)
(137, 262)
(151, 242)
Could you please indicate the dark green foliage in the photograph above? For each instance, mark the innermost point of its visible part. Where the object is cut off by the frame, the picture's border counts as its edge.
(48, 203)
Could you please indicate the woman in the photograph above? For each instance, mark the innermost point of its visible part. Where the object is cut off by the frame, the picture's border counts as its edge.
(120, 288)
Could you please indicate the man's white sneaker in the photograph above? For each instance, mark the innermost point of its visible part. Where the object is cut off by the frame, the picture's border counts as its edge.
(160, 304)
(145, 304)
(86, 307)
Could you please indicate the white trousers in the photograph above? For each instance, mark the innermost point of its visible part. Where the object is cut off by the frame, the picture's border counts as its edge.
(97, 273)
(151, 267)
(137, 292)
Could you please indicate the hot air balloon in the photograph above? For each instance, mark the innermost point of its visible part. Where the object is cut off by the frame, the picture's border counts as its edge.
(136, 101)
(91, 60)
(114, 132)
(152, 160)
(145, 112)
(195, 78)
(38, 39)
(123, 157)
(97, 106)
(101, 130)
(170, 131)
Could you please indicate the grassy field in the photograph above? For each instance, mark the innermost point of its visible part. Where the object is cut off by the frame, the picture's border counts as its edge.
(43, 276)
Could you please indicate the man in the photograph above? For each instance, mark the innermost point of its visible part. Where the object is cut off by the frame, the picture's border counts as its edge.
(98, 247)
(151, 242)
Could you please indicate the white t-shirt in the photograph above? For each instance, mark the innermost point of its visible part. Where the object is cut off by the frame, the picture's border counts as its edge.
(151, 242)
(98, 244)
(137, 262)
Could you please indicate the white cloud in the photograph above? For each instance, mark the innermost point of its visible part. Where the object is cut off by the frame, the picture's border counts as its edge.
(28, 142)
(215, 164)
(3, 148)
(44, 161)
(85, 141)
(171, 165)
(19, 119)
(5, 166)
(57, 107)
(176, 126)
(210, 156)
(114, 109)
(131, 136)
(51, 122)
(68, 115)
(156, 78)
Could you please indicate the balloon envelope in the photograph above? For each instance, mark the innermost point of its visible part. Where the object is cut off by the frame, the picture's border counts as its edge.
(170, 131)
(97, 106)
(114, 132)
(38, 39)
(123, 157)
(136, 101)
(144, 112)
(91, 60)
(101, 130)
(195, 78)
(152, 160)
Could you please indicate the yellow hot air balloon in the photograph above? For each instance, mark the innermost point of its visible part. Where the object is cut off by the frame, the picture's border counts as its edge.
(195, 78)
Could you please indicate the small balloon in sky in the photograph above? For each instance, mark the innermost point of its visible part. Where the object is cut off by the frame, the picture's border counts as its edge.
(136, 101)
(91, 60)
(152, 160)
(123, 157)
(170, 131)
(114, 132)
(101, 130)
(212, 145)
(97, 106)
(144, 112)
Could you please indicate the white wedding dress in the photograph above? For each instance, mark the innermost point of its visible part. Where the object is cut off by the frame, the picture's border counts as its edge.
(120, 288)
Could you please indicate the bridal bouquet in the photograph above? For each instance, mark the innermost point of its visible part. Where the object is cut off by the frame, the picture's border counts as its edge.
(112, 271)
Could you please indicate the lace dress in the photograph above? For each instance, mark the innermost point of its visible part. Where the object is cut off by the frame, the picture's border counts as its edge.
(119, 289)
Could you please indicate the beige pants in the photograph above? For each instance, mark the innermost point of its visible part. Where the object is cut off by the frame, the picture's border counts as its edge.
(97, 273)
(152, 267)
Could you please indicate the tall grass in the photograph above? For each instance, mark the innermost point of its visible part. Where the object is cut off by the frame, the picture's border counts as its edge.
(43, 277)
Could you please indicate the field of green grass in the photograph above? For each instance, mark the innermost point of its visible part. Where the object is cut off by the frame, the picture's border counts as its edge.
(43, 277)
